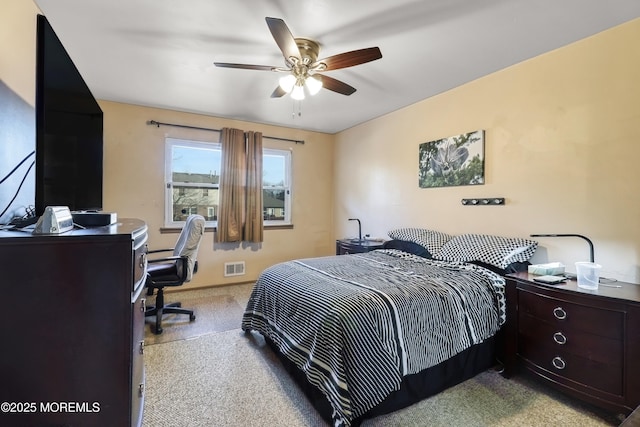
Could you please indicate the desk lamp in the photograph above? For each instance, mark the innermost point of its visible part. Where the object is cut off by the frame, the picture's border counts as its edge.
(570, 235)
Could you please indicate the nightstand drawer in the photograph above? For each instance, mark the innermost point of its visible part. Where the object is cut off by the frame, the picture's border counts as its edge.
(603, 376)
(570, 316)
(607, 351)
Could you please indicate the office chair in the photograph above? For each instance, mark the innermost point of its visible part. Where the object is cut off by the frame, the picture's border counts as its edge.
(174, 270)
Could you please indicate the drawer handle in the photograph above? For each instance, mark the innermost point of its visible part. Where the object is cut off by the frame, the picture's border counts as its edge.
(559, 313)
(560, 338)
(558, 363)
(143, 259)
(141, 390)
(143, 305)
(142, 347)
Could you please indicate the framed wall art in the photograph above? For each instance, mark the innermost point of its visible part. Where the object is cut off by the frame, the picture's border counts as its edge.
(456, 160)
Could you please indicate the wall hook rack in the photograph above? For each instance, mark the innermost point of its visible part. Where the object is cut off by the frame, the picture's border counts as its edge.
(484, 202)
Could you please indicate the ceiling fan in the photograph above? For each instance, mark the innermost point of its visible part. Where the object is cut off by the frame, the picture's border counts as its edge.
(302, 65)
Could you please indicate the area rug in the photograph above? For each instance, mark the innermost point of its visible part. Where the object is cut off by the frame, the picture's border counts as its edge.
(216, 310)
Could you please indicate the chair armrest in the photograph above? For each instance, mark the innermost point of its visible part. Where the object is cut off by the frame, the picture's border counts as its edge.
(154, 251)
(183, 259)
(168, 258)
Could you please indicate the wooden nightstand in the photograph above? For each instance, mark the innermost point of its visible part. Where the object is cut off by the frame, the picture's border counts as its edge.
(355, 246)
(585, 343)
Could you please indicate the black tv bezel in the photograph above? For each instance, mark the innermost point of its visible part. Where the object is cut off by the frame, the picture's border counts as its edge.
(61, 90)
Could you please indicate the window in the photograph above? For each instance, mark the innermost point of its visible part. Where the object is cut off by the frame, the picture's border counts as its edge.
(192, 173)
(276, 186)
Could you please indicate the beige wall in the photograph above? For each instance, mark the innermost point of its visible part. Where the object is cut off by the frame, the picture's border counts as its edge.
(18, 47)
(134, 187)
(562, 146)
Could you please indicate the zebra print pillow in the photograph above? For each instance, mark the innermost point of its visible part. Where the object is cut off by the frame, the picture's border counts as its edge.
(494, 250)
(429, 239)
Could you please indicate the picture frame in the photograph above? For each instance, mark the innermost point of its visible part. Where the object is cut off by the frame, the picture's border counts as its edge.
(452, 161)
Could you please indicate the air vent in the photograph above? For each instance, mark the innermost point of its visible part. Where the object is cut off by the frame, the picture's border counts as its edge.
(233, 268)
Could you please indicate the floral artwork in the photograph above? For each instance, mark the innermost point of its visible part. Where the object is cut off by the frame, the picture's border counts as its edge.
(452, 161)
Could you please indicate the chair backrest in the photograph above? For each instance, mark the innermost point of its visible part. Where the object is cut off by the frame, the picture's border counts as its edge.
(189, 241)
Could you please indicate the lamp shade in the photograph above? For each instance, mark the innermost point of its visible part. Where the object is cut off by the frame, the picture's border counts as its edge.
(287, 82)
(314, 84)
(298, 92)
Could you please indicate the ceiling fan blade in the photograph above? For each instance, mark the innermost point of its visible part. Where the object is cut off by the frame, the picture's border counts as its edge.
(335, 85)
(278, 92)
(245, 66)
(349, 59)
(283, 37)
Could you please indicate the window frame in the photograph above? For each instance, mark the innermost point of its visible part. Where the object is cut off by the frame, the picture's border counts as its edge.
(168, 177)
(170, 142)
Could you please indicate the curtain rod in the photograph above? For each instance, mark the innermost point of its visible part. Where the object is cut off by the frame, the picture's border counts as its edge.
(158, 124)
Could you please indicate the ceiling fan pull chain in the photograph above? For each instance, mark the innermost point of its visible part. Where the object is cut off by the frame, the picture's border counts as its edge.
(293, 109)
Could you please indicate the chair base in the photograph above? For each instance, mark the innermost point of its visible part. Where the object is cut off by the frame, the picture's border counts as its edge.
(161, 308)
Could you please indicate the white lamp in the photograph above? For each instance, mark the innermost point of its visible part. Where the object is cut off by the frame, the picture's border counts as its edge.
(314, 84)
(298, 92)
(287, 82)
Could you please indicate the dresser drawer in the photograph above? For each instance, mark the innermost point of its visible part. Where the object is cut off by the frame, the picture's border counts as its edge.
(139, 261)
(138, 306)
(571, 316)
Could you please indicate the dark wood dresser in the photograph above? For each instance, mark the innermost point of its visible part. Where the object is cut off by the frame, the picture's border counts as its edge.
(72, 326)
(355, 246)
(585, 343)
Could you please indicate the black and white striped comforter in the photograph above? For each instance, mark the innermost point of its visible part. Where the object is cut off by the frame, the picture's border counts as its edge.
(356, 324)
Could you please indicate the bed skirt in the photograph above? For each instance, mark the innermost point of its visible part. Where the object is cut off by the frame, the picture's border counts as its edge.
(414, 388)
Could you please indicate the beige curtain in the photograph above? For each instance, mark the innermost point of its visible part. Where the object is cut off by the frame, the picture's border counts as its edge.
(240, 215)
(253, 222)
(232, 183)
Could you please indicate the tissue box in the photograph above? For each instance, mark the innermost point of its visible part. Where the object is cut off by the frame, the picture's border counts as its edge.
(549, 269)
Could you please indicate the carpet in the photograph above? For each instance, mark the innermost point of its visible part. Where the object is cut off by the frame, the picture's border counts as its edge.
(232, 378)
(216, 309)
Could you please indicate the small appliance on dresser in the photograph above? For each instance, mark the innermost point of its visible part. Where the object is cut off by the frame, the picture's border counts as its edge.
(583, 342)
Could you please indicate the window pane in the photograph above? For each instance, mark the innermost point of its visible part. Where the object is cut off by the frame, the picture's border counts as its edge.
(273, 205)
(195, 161)
(273, 170)
(190, 200)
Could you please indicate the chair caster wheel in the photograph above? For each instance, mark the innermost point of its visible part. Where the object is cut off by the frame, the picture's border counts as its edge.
(156, 331)
(192, 317)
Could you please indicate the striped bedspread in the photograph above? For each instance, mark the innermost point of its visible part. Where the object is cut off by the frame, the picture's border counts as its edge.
(356, 324)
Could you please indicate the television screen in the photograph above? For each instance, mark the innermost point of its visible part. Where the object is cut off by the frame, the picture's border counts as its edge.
(69, 134)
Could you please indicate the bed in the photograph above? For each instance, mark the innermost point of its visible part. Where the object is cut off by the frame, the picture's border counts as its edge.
(366, 334)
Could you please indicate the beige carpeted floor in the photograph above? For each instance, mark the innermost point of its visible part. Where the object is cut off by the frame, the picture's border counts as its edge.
(217, 309)
(210, 373)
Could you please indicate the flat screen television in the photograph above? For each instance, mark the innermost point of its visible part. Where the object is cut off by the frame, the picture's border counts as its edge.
(69, 133)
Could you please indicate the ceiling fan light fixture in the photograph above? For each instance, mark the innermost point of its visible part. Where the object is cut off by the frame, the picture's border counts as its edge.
(297, 93)
(287, 82)
(314, 84)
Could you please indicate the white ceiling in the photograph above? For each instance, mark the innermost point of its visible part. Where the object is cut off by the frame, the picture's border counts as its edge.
(160, 53)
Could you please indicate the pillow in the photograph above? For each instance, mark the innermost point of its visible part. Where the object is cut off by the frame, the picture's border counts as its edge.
(409, 247)
(494, 250)
(429, 239)
(514, 267)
